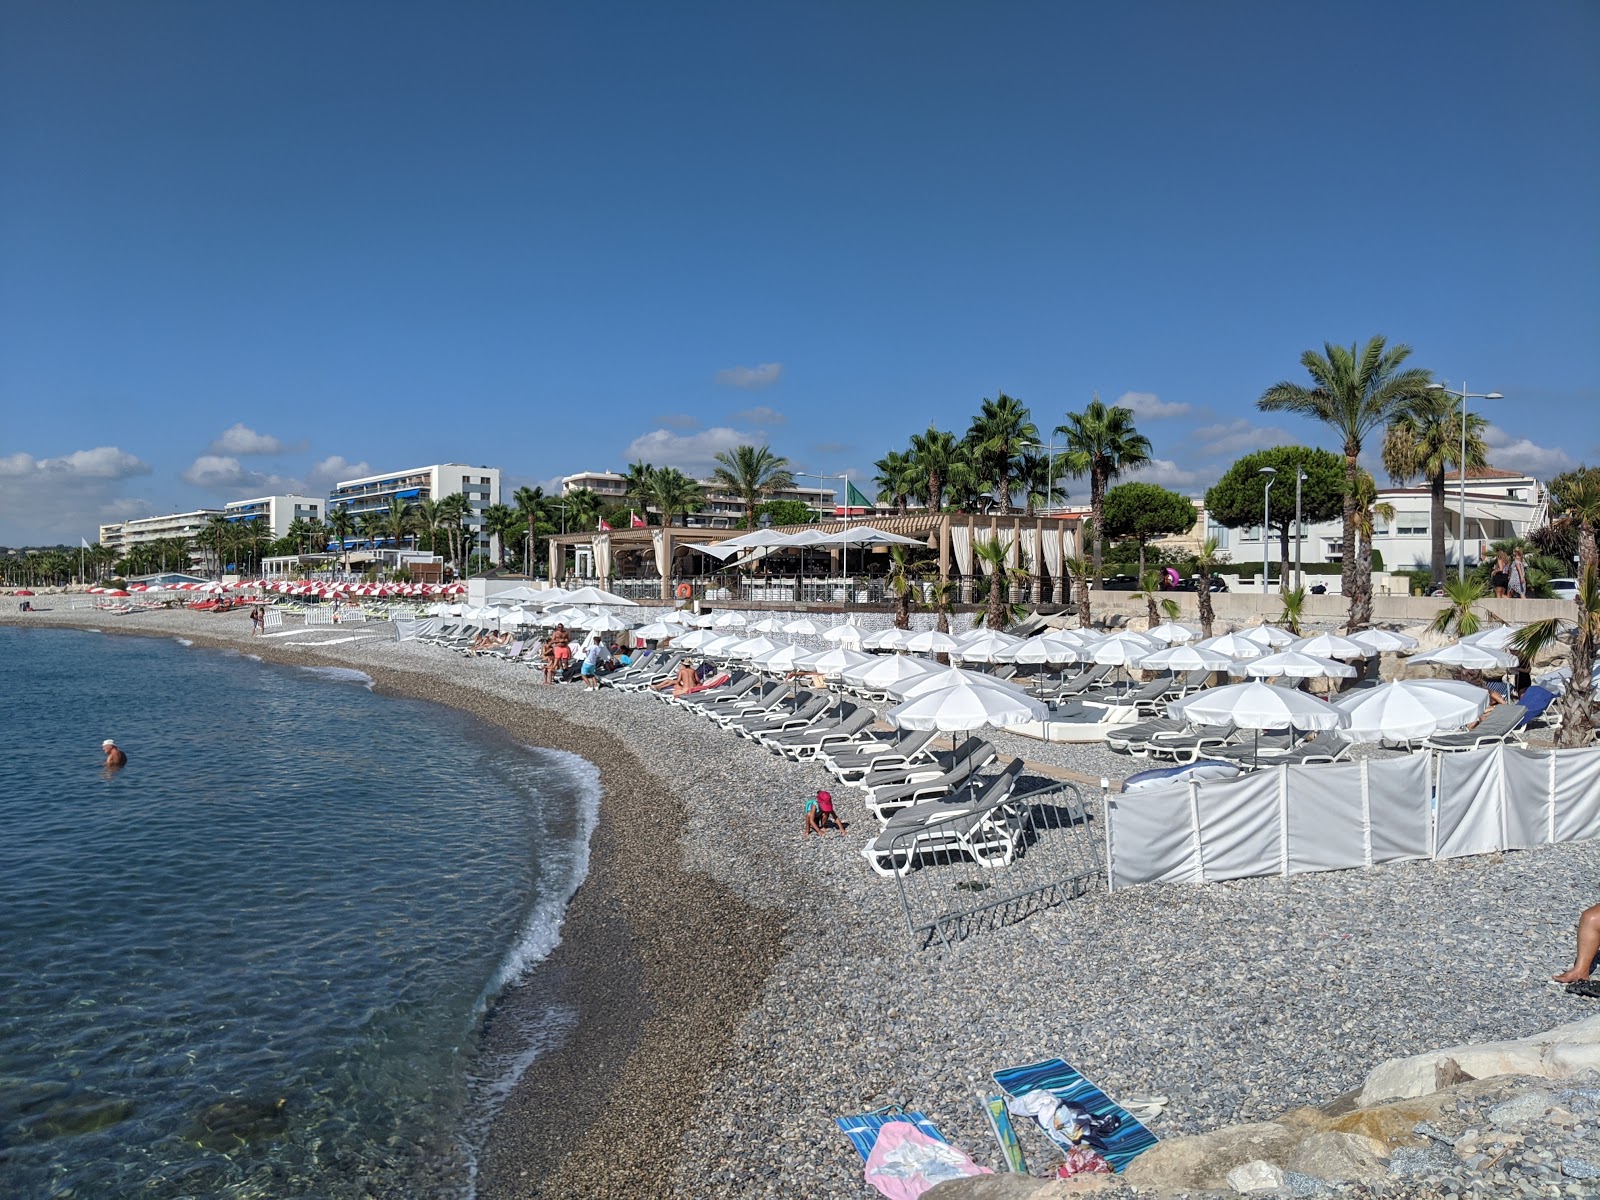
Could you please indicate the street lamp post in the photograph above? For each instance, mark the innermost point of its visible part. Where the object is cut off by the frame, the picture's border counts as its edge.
(1050, 449)
(1266, 495)
(1300, 477)
(1461, 532)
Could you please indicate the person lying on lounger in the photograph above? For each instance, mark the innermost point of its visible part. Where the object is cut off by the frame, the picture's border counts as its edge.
(820, 813)
(1588, 946)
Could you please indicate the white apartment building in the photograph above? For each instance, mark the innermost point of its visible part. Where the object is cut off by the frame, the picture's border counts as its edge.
(372, 493)
(720, 510)
(275, 512)
(121, 534)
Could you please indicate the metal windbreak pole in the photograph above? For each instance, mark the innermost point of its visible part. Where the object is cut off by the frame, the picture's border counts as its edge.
(1266, 526)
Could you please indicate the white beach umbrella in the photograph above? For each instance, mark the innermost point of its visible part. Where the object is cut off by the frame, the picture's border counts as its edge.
(1235, 645)
(1039, 650)
(1121, 649)
(1465, 657)
(768, 625)
(719, 645)
(875, 639)
(517, 616)
(1169, 634)
(1185, 658)
(700, 620)
(883, 673)
(752, 647)
(675, 616)
(657, 630)
(729, 620)
(1295, 666)
(1331, 645)
(805, 627)
(838, 659)
(1268, 635)
(1556, 681)
(1410, 708)
(594, 595)
(608, 622)
(696, 639)
(984, 645)
(891, 639)
(570, 616)
(1385, 641)
(550, 597)
(941, 677)
(961, 707)
(785, 658)
(1256, 705)
(1498, 638)
(930, 641)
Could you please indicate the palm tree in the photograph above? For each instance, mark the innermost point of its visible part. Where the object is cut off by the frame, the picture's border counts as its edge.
(429, 520)
(1575, 504)
(1294, 609)
(674, 494)
(532, 507)
(637, 481)
(397, 520)
(940, 594)
(898, 479)
(1078, 567)
(583, 508)
(216, 535)
(1577, 704)
(453, 510)
(1369, 511)
(1102, 443)
(504, 522)
(996, 439)
(1422, 442)
(901, 583)
(1038, 483)
(1354, 391)
(935, 455)
(1203, 563)
(340, 523)
(752, 473)
(996, 555)
(1461, 614)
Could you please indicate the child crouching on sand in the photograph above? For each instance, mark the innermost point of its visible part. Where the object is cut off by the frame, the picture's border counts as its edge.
(819, 813)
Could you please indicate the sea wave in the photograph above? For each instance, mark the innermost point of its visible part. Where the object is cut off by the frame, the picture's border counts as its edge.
(183, 641)
(341, 675)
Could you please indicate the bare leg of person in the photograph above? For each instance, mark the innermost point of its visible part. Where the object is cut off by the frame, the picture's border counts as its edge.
(1588, 945)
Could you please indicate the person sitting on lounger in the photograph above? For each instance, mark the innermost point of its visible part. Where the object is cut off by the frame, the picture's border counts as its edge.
(1588, 946)
(820, 813)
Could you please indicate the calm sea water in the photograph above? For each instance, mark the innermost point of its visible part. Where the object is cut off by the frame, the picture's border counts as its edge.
(254, 962)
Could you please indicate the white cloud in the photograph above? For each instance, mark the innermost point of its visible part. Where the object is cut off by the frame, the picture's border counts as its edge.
(1233, 438)
(761, 416)
(331, 470)
(241, 439)
(1168, 474)
(759, 376)
(53, 500)
(224, 473)
(1151, 406)
(694, 453)
(1522, 454)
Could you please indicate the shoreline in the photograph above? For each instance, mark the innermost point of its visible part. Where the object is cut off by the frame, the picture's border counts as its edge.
(652, 1013)
(1239, 1000)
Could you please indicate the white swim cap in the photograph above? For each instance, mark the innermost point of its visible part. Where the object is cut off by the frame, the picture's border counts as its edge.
(107, 742)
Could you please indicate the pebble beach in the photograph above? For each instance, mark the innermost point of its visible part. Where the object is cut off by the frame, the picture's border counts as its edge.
(737, 985)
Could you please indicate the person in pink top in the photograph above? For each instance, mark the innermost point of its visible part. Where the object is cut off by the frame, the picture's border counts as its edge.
(819, 814)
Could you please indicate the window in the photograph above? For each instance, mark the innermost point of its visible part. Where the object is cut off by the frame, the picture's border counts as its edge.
(1411, 524)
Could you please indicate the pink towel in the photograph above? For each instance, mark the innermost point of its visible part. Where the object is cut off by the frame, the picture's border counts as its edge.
(905, 1162)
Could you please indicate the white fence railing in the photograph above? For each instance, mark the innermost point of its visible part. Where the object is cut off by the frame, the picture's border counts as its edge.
(1292, 820)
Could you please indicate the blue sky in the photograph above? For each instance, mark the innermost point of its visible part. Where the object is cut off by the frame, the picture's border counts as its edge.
(250, 247)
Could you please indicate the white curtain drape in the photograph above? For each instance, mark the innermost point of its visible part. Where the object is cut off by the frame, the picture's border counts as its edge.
(658, 539)
(961, 546)
(602, 555)
(1052, 549)
(1030, 551)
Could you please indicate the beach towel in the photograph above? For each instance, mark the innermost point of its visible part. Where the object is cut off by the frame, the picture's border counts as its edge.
(1108, 1127)
(904, 1152)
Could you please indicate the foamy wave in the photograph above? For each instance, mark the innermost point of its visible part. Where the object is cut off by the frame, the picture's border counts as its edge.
(341, 675)
(541, 932)
(183, 641)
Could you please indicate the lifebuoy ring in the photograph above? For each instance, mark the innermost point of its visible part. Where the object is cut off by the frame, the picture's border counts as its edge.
(684, 591)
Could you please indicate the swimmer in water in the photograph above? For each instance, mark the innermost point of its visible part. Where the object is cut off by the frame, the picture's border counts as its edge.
(115, 758)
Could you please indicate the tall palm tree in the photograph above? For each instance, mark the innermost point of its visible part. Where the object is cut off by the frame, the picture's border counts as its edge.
(533, 508)
(752, 473)
(216, 538)
(1204, 562)
(674, 494)
(1575, 504)
(1577, 703)
(341, 521)
(901, 583)
(453, 510)
(1036, 478)
(397, 520)
(1102, 443)
(997, 437)
(429, 520)
(1079, 569)
(935, 454)
(583, 508)
(1369, 511)
(637, 485)
(996, 555)
(1354, 391)
(897, 480)
(1423, 441)
(503, 522)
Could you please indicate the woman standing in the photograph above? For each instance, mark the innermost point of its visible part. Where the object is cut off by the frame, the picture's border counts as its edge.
(1518, 583)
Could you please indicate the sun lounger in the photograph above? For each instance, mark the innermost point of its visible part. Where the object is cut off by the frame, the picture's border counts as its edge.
(927, 765)
(781, 720)
(737, 686)
(975, 821)
(1252, 746)
(1079, 684)
(772, 698)
(808, 743)
(1498, 726)
(1132, 739)
(903, 1153)
(854, 761)
(656, 670)
(1189, 744)
(1111, 1131)
(884, 800)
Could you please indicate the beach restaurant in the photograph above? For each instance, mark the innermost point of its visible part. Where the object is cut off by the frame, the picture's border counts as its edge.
(830, 562)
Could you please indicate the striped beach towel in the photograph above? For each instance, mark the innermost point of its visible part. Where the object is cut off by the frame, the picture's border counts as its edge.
(904, 1153)
(1067, 1085)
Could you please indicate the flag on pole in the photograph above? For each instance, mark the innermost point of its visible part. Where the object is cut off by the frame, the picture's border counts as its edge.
(855, 504)
(85, 542)
(635, 521)
(603, 525)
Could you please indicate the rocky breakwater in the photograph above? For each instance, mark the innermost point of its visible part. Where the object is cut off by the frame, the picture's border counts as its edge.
(1516, 1118)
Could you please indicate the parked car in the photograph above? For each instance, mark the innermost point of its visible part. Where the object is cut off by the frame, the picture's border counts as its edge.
(1122, 583)
(1564, 589)
(1192, 584)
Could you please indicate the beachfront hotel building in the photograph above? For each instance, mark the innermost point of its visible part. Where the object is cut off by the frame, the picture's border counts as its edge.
(372, 493)
(120, 535)
(720, 509)
(276, 513)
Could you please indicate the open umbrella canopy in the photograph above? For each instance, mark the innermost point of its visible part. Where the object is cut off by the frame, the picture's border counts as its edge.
(1256, 705)
(1385, 641)
(1169, 634)
(720, 645)
(608, 622)
(1235, 645)
(1295, 666)
(1185, 658)
(1498, 638)
(1556, 681)
(803, 627)
(882, 674)
(696, 639)
(1465, 656)
(1121, 649)
(1331, 645)
(837, 660)
(1039, 650)
(889, 639)
(785, 658)
(570, 616)
(657, 630)
(729, 620)
(1268, 635)
(768, 625)
(1410, 708)
(849, 634)
(698, 620)
(594, 595)
(959, 706)
(942, 677)
(984, 645)
(930, 641)
(752, 647)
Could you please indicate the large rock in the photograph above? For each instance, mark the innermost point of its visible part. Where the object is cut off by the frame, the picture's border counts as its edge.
(1258, 1176)
(1203, 1161)
(1340, 1157)
(986, 1187)
(1390, 1124)
(1557, 1053)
